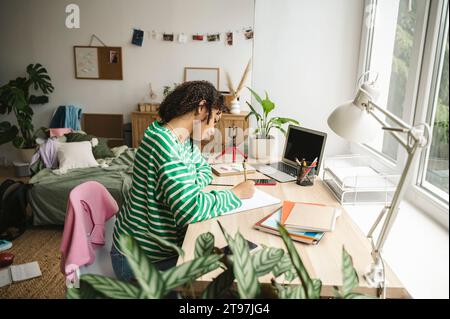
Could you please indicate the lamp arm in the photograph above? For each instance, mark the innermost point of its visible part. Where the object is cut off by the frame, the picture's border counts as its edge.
(391, 116)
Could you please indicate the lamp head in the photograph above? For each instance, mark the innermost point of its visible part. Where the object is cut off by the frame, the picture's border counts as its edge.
(352, 120)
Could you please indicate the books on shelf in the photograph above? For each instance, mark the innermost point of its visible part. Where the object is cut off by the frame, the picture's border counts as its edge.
(269, 224)
(310, 217)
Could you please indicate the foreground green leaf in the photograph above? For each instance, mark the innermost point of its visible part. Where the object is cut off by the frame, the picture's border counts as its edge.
(112, 288)
(265, 259)
(148, 277)
(219, 286)
(204, 245)
(165, 243)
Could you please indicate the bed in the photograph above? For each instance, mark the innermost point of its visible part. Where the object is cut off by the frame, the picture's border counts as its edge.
(49, 192)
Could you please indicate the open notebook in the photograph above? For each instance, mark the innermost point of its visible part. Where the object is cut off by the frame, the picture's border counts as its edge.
(19, 273)
(259, 199)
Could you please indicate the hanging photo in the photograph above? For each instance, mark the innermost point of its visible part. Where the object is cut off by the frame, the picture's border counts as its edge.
(248, 33)
(213, 37)
(154, 35)
(197, 37)
(182, 38)
(168, 37)
(229, 38)
(113, 57)
(138, 37)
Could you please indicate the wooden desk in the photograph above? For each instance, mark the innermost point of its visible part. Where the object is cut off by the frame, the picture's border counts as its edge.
(323, 261)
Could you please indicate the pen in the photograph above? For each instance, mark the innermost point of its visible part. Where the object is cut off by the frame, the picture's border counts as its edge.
(313, 164)
(244, 165)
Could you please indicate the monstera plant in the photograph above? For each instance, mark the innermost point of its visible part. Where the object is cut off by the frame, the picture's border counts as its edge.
(16, 97)
(241, 266)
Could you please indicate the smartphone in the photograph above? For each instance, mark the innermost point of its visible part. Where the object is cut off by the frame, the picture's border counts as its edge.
(227, 251)
(264, 182)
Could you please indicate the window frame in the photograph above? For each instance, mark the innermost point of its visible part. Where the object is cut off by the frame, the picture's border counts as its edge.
(417, 94)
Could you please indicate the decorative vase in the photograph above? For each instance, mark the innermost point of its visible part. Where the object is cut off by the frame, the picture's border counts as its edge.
(235, 106)
(262, 148)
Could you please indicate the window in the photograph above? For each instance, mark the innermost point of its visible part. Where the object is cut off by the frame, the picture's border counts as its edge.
(435, 177)
(396, 34)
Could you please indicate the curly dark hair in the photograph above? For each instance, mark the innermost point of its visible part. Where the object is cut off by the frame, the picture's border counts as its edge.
(186, 97)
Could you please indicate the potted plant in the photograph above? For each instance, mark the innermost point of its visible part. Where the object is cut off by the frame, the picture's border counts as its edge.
(17, 97)
(262, 143)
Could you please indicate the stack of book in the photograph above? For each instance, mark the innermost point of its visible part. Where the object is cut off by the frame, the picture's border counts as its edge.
(305, 222)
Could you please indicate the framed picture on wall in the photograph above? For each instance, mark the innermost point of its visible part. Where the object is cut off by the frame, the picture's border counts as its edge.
(98, 63)
(199, 73)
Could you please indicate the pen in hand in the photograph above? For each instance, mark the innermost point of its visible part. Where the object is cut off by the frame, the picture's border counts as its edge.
(244, 165)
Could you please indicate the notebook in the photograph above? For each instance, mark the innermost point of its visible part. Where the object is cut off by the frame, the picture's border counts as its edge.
(259, 199)
(312, 217)
(269, 224)
(19, 273)
(231, 169)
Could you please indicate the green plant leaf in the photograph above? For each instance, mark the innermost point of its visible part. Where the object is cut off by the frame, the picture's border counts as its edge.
(39, 78)
(112, 288)
(265, 259)
(148, 277)
(13, 97)
(204, 245)
(267, 105)
(244, 272)
(290, 275)
(189, 271)
(350, 276)
(166, 243)
(85, 291)
(19, 142)
(43, 99)
(253, 112)
(289, 291)
(305, 279)
(283, 265)
(217, 288)
(257, 97)
(7, 132)
(358, 296)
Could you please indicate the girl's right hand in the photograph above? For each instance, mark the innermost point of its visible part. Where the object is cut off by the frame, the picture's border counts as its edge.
(244, 190)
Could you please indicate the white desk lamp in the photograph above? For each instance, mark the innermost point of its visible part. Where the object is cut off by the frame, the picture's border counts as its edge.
(356, 121)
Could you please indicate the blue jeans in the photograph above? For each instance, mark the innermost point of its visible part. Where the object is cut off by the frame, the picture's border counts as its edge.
(123, 270)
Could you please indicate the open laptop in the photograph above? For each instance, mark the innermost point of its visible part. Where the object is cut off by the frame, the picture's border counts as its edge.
(301, 143)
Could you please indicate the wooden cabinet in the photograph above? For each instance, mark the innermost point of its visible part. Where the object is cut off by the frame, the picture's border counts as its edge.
(141, 120)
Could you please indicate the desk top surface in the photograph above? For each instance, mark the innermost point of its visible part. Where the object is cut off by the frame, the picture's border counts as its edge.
(323, 261)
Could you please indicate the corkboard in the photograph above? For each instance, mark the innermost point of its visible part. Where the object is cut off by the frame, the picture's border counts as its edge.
(98, 63)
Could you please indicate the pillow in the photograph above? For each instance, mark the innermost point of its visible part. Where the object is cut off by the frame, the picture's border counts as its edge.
(75, 155)
(101, 150)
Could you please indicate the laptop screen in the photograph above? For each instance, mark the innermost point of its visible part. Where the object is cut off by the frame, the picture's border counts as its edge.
(304, 143)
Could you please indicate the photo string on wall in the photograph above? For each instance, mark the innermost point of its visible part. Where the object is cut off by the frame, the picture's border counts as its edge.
(229, 37)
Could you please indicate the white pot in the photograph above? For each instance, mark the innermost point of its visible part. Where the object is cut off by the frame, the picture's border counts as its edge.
(262, 148)
(26, 154)
(235, 107)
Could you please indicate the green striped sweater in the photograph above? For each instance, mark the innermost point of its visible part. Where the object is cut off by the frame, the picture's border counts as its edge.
(166, 194)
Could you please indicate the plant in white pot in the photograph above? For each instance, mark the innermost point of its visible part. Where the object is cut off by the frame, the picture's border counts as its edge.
(262, 143)
(17, 97)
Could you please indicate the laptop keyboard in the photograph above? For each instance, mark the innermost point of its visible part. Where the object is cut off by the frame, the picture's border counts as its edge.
(285, 168)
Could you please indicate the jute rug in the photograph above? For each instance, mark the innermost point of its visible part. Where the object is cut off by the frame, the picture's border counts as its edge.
(41, 245)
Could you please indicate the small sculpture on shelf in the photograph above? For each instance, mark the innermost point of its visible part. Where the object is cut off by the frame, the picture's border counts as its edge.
(235, 106)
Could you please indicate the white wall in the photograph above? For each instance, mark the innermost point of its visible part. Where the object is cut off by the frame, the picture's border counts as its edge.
(34, 31)
(306, 56)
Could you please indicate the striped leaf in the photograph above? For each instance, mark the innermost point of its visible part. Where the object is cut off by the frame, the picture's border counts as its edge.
(289, 292)
(189, 271)
(244, 272)
(265, 259)
(86, 291)
(290, 275)
(350, 278)
(310, 288)
(284, 265)
(148, 277)
(165, 243)
(204, 245)
(112, 288)
(247, 280)
(219, 285)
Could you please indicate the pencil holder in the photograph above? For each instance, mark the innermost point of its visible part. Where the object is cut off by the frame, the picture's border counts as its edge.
(305, 178)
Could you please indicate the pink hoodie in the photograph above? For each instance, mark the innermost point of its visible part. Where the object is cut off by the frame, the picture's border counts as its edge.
(90, 206)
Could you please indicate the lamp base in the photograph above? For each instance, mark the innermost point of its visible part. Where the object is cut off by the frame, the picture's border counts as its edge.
(375, 276)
